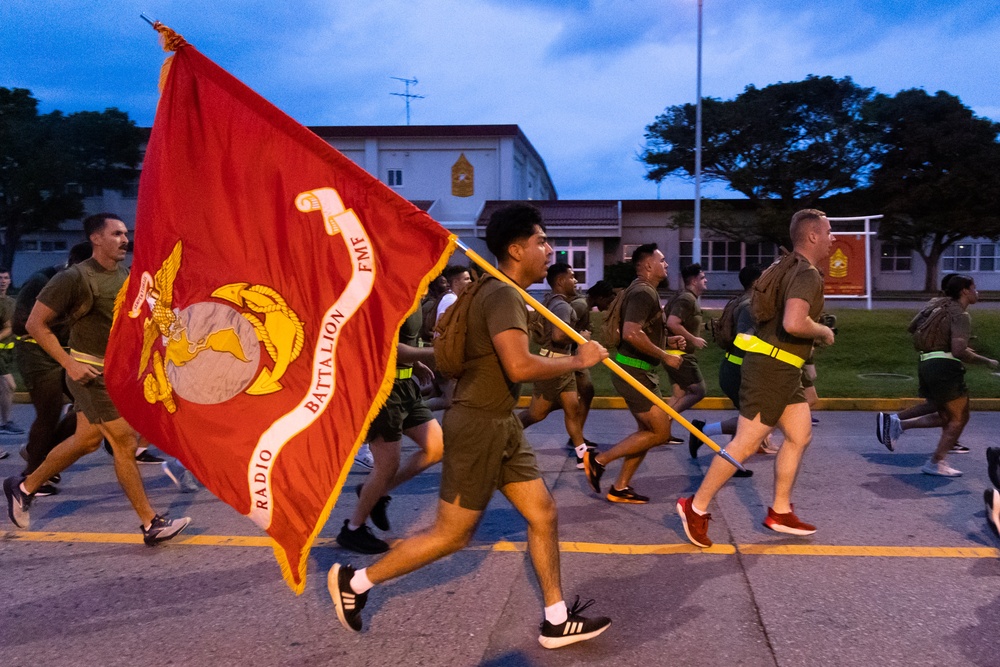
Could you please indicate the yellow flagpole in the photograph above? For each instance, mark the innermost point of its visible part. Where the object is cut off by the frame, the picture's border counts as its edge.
(615, 368)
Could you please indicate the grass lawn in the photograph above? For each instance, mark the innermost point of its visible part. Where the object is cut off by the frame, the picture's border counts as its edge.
(867, 342)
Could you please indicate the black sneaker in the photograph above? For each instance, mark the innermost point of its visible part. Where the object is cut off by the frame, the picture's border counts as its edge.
(743, 473)
(576, 628)
(993, 465)
(380, 513)
(4, 454)
(674, 440)
(162, 529)
(11, 427)
(47, 490)
(579, 459)
(626, 495)
(992, 498)
(361, 540)
(694, 442)
(593, 469)
(348, 603)
(145, 456)
(18, 502)
(959, 448)
(56, 478)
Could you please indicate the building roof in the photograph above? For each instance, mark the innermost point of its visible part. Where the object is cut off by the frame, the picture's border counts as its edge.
(597, 217)
(330, 132)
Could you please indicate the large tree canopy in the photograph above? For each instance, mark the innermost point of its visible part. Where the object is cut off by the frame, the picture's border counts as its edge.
(784, 146)
(939, 177)
(49, 161)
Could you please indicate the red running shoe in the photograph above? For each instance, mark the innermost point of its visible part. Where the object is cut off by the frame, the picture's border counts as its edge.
(788, 523)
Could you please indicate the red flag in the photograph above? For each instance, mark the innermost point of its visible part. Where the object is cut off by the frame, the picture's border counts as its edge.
(257, 335)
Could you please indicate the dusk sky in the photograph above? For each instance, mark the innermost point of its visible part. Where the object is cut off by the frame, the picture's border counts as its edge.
(581, 78)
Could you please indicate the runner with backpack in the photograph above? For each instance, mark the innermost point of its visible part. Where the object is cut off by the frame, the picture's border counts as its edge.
(941, 332)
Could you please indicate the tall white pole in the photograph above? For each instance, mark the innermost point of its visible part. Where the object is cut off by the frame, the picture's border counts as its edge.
(696, 242)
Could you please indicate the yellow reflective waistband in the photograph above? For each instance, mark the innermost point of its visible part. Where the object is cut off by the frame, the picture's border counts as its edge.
(753, 344)
(634, 363)
(7, 346)
(924, 356)
(85, 358)
(404, 373)
(733, 359)
(676, 353)
(550, 353)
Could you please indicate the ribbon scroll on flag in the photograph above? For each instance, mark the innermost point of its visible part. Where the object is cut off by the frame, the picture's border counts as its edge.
(256, 338)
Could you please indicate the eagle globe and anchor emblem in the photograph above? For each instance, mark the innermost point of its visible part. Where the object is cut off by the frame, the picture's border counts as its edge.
(211, 351)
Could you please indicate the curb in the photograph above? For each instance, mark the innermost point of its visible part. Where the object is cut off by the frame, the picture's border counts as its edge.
(847, 404)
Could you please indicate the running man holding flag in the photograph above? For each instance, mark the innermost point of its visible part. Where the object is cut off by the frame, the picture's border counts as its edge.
(485, 447)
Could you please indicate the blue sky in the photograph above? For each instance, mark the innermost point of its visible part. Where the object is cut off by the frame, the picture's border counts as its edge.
(582, 78)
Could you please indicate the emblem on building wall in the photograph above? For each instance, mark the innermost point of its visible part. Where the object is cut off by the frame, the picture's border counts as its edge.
(838, 264)
(462, 177)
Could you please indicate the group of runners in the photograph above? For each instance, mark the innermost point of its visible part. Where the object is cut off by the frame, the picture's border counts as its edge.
(770, 332)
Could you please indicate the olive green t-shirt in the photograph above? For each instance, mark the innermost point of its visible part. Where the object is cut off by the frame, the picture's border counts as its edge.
(642, 306)
(67, 291)
(685, 308)
(409, 333)
(564, 311)
(582, 310)
(483, 385)
(806, 284)
(7, 304)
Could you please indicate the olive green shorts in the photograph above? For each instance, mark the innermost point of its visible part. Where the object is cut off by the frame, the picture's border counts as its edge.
(7, 361)
(403, 410)
(688, 374)
(93, 401)
(552, 388)
(483, 452)
(767, 387)
(942, 380)
(637, 403)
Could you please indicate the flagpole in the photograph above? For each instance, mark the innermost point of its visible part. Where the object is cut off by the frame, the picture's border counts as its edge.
(615, 368)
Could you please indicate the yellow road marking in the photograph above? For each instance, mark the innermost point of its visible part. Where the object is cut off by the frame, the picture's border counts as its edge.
(564, 547)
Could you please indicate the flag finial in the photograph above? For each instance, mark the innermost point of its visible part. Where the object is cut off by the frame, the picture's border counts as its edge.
(170, 39)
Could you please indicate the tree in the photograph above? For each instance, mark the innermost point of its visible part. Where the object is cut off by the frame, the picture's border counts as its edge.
(939, 177)
(784, 146)
(48, 162)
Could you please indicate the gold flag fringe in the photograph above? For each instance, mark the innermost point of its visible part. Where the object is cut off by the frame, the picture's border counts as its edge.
(170, 41)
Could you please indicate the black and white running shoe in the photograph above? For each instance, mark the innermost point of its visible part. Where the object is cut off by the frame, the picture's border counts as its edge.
(348, 603)
(18, 502)
(576, 628)
(162, 529)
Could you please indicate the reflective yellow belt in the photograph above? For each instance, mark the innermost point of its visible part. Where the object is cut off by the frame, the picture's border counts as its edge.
(924, 356)
(634, 363)
(85, 358)
(27, 339)
(733, 359)
(550, 353)
(753, 344)
(7, 346)
(404, 373)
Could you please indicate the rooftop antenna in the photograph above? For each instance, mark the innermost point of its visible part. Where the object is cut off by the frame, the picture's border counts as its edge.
(408, 95)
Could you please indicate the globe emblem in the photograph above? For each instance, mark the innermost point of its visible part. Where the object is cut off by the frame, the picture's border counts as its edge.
(214, 373)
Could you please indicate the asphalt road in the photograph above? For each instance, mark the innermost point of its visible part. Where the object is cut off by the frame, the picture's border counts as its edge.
(903, 570)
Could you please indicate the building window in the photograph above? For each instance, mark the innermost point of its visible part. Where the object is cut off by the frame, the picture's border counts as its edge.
(959, 258)
(395, 178)
(762, 254)
(729, 256)
(27, 246)
(989, 257)
(896, 258)
(627, 250)
(574, 253)
(971, 257)
(24, 245)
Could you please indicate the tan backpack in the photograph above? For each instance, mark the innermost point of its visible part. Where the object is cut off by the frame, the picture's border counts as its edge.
(931, 327)
(768, 295)
(449, 332)
(612, 328)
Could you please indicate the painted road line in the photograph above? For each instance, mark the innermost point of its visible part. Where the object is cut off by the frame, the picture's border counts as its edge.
(599, 548)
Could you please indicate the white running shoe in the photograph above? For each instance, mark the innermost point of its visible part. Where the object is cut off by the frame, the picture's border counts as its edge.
(940, 469)
(364, 457)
